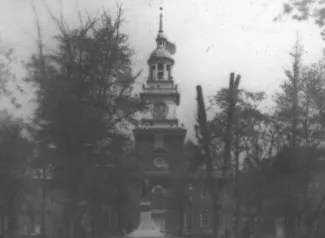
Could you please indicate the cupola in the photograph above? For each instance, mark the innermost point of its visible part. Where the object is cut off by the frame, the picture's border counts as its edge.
(161, 61)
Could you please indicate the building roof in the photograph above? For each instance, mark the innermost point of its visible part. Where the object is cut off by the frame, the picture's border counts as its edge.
(159, 54)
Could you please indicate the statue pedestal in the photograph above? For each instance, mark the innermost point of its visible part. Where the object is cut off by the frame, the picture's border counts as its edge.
(147, 227)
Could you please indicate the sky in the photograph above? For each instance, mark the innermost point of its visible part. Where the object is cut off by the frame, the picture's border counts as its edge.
(213, 39)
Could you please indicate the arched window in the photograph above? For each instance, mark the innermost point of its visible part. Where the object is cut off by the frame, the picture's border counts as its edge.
(205, 193)
(168, 72)
(205, 220)
(160, 71)
(159, 142)
(157, 189)
(186, 221)
(152, 72)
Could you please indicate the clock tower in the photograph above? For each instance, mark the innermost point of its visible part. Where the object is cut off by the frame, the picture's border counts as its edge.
(160, 137)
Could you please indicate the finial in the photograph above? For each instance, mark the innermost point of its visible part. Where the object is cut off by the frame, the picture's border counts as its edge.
(160, 22)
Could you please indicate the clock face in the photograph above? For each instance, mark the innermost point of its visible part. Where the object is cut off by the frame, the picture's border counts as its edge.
(160, 110)
(159, 162)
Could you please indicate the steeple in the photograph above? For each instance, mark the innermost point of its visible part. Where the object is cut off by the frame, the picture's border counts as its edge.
(161, 39)
(161, 90)
(159, 139)
(161, 61)
(161, 21)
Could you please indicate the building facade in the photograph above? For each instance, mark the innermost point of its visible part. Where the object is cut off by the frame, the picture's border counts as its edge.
(160, 138)
(179, 204)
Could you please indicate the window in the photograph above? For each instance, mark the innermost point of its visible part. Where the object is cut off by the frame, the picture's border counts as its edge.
(25, 229)
(6, 222)
(160, 74)
(169, 72)
(205, 193)
(161, 224)
(204, 220)
(186, 221)
(152, 71)
(113, 219)
(160, 71)
(159, 142)
(156, 189)
(74, 49)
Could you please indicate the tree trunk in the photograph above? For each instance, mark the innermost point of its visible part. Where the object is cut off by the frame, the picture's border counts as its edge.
(43, 206)
(93, 211)
(312, 220)
(180, 191)
(238, 195)
(70, 224)
(12, 225)
(295, 84)
(181, 218)
(206, 146)
(12, 217)
(2, 224)
(190, 216)
(231, 113)
(290, 216)
(259, 231)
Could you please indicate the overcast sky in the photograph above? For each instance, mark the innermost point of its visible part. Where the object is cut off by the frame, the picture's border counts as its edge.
(213, 38)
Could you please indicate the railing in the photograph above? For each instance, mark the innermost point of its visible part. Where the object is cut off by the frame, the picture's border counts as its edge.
(160, 90)
(161, 78)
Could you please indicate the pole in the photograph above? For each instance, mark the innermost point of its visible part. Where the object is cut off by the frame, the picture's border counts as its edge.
(202, 119)
(232, 100)
(238, 195)
(204, 130)
(93, 207)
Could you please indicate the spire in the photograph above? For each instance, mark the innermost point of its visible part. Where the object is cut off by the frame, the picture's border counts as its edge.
(162, 42)
(160, 32)
(161, 21)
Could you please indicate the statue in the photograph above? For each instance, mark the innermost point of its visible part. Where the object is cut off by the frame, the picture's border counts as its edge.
(147, 227)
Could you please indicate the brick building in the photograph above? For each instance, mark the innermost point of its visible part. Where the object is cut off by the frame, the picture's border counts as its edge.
(39, 197)
(179, 204)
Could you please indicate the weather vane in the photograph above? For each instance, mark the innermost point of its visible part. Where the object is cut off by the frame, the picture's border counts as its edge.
(161, 5)
(160, 18)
